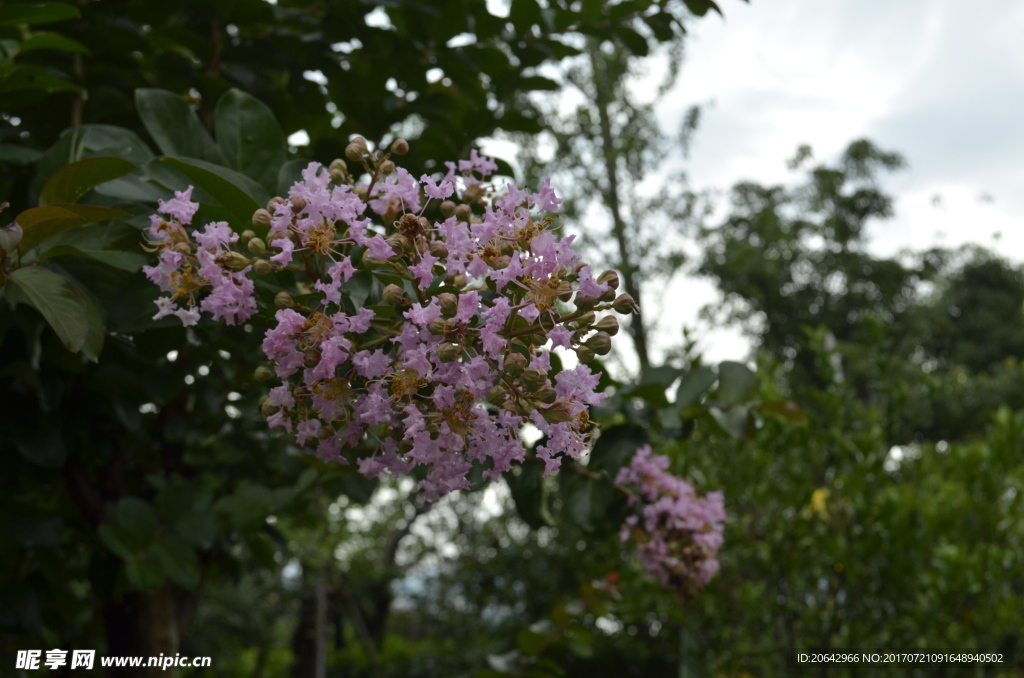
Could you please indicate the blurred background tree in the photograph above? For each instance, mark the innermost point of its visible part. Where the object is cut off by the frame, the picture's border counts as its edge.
(147, 510)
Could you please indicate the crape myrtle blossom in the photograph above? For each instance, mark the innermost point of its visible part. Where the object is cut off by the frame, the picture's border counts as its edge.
(449, 356)
(677, 532)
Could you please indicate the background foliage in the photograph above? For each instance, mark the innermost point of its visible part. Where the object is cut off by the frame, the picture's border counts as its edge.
(872, 465)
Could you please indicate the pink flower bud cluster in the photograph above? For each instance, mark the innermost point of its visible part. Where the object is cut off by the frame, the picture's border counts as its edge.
(451, 355)
(677, 533)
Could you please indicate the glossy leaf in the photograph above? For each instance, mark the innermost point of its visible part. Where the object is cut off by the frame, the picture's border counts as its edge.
(39, 224)
(49, 40)
(175, 127)
(46, 13)
(71, 182)
(61, 305)
(238, 194)
(250, 138)
(694, 384)
(735, 382)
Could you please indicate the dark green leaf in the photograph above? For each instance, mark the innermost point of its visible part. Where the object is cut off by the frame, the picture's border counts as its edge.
(615, 447)
(46, 13)
(585, 500)
(735, 382)
(529, 492)
(19, 155)
(63, 307)
(43, 447)
(175, 127)
(695, 384)
(178, 560)
(71, 182)
(634, 42)
(250, 138)
(236, 193)
(49, 40)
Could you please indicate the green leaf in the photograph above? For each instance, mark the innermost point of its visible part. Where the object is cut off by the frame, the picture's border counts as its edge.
(119, 259)
(175, 127)
(50, 12)
(735, 382)
(178, 560)
(132, 528)
(786, 409)
(531, 643)
(50, 40)
(634, 42)
(529, 491)
(71, 182)
(63, 307)
(236, 193)
(22, 78)
(19, 155)
(615, 447)
(695, 383)
(39, 224)
(250, 138)
(585, 500)
(147, 572)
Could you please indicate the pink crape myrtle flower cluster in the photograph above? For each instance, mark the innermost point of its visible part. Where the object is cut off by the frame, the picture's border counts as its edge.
(450, 356)
(677, 532)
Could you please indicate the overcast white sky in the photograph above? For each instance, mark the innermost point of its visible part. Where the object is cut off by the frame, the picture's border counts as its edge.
(940, 81)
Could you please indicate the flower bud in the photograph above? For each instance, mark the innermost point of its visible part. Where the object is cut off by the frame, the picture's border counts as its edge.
(609, 324)
(245, 236)
(610, 278)
(257, 246)
(339, 164)
(449, 303)
(436, 327)
(10, 237)
(387, 167)
(438, 249)
(557, 413)
(263, 373)
(584, 353)
(268, 409)
(261, 218)
(298, 204)
(234, 261)
(393, 295)
(502, 262)
(447, 352)
(515, 363)
(356, 149)
(473, 193)
(274, 202)
(398, 242)
(447, 209)
(463, 213)
(586, 320)
(607, 295)
(534, 378)
(624, 304)
(497, 396)
(284, 300)
(546, 395)
(262, 267)
(337, 176)
(370, 262)
(460, 281)
(600, 343)
(311, 357)
(400, 147)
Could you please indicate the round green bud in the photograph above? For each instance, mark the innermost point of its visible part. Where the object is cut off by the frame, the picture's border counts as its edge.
(387, 167)
(261, 218)
(311, 357)
(400, 147)
(585, 354)
(257, 246)
(235, 261)
(448, 352)
(449, 303)
(497, 396)
(262, 267)
(624, 304)
(263, 373)
(515, 363)
(436, 327)
(284, 300)
(245, 236)
(600, 343)
(546, 395)
(447, 209)
(463, 213)
(438, 249)
(609, 324)
(339, 164)
(610, 278)
(393, 295)
(534, 378)
(298, 204)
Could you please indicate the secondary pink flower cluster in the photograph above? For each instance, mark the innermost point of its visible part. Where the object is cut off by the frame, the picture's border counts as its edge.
(678, 533)
(450, 355)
